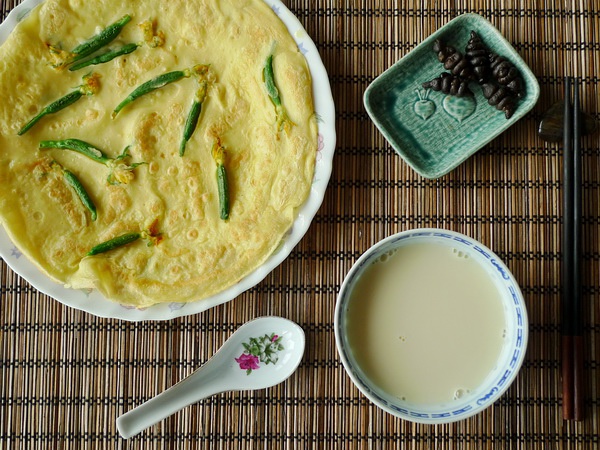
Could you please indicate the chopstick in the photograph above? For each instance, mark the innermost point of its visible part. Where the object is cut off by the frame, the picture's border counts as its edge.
(567, 254)
(572, 324)
(578, 391)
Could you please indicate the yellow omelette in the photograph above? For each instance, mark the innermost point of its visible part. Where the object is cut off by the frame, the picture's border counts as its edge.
(131, 166)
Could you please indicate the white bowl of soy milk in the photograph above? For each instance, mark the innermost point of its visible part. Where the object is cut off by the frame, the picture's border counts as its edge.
(431, 326)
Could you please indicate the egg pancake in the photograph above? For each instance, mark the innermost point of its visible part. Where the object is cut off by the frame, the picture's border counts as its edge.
(206, 168)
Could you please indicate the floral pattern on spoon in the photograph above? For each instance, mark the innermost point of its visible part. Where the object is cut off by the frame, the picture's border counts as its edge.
(260, 350)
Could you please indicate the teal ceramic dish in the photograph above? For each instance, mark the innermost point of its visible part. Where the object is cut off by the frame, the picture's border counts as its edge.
(431, 131)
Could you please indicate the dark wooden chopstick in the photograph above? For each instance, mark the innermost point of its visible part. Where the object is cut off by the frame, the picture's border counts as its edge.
(578, 396)
(567, 255)
(572, 328)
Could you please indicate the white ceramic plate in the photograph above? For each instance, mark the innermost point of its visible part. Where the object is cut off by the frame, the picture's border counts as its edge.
(94, 303)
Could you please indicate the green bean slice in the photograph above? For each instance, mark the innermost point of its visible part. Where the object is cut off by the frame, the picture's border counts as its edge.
(105, 57)
(283, 122)
(72, 180)
(100, 40)
(113, 243)
(192, 119)
(218, 153)
(119, 172)
(85, 198)
(89, 87)
(79, 146)
(150, 86)
(269, 79)
(223, 187)
(52, 108)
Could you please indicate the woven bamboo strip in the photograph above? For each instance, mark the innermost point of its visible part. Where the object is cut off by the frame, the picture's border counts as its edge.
(65, 375)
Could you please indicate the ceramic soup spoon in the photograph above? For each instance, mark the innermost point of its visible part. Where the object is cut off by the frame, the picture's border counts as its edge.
(260, 354)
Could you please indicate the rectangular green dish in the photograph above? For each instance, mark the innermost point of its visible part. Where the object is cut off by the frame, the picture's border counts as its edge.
(434, 132)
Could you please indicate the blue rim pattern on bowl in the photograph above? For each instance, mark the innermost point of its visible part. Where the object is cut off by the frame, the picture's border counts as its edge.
(514, 350)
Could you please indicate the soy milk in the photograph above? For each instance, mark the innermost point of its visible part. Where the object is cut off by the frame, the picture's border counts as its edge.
(426, 323)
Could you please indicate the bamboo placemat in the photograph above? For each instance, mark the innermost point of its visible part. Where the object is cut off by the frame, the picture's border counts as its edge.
(65, 375)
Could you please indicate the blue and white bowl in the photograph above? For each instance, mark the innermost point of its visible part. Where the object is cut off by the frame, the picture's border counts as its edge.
(512, 354)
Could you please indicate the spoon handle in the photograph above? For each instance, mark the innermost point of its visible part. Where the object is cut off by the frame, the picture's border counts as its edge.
(200, 384)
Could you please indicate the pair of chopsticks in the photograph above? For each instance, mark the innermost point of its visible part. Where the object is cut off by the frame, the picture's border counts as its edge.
(572, 326)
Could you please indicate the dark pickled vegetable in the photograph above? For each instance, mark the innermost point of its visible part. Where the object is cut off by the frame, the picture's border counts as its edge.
(453, 60)
(449, 84)
(507, 74)
(476, 53)
(500, 97)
